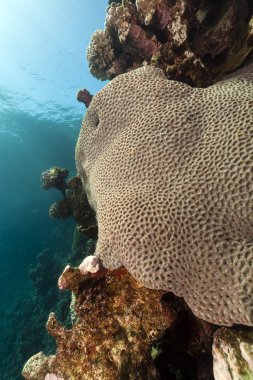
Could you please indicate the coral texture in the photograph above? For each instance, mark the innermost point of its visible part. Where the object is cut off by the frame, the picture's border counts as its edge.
(84, 96)
(194, 42)
(74, 202)
(233, 354)
(168, 169)
(100, 55)
(122, 45)
(36, 367)
(54, 177)
(113, 332)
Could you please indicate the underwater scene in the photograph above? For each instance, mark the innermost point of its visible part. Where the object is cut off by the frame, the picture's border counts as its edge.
(126, 197)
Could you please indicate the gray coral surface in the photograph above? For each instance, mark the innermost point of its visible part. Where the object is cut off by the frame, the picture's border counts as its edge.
(169, 170)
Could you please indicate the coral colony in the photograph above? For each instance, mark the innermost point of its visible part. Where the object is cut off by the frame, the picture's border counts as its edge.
(165, 161)
(168, 170)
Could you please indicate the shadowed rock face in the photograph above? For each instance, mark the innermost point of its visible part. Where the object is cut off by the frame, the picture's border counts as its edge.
(169, 169)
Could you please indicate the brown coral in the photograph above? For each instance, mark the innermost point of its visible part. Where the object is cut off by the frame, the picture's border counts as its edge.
(74, 202)
(113, 333)
(84, 96)
(195, 42)
(169, 170)
(54, 177)
(122, 45)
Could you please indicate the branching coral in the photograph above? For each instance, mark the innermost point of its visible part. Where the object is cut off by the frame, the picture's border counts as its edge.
(146, 10)
(60, 210)
(123, 45)
(100, 55)
(168, 169)
(119, 18)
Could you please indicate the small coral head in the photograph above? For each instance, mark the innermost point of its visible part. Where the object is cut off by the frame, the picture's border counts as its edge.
(54, 178)
(91, 264)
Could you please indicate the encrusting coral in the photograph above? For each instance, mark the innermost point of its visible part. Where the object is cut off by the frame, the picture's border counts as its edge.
(168, 169)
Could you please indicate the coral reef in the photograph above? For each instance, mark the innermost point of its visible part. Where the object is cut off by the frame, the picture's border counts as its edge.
(23, 322)
(233, 354)
(194, 42)
(74, 202)
(84, 96)
(117, 335)
(54, 177)
(112, 336)
(123, 45)
(168, 170)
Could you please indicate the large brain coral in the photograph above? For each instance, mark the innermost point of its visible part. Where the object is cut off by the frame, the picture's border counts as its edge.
(169, 171)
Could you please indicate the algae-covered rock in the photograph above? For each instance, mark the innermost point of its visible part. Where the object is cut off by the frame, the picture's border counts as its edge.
(36, 367)
(116, 322)
(233, 354)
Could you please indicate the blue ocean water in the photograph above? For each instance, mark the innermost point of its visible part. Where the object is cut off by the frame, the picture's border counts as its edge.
(42, 65)
(29, 144)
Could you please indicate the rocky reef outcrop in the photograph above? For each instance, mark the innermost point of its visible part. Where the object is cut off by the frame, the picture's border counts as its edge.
(143, 134)
(74, 203)
(172, 186)
(194, 41)
(120, 330)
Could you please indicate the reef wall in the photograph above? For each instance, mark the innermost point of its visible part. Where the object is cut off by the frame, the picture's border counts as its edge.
(119, 328)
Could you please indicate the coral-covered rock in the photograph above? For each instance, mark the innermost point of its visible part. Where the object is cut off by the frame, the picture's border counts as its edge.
(195, 42)
(233, 354)
(60, 210)
(122, 46)
(54, 177)
(36, 367)
(83, 214)
(74, 202)
(168, 169)
(113, 332)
